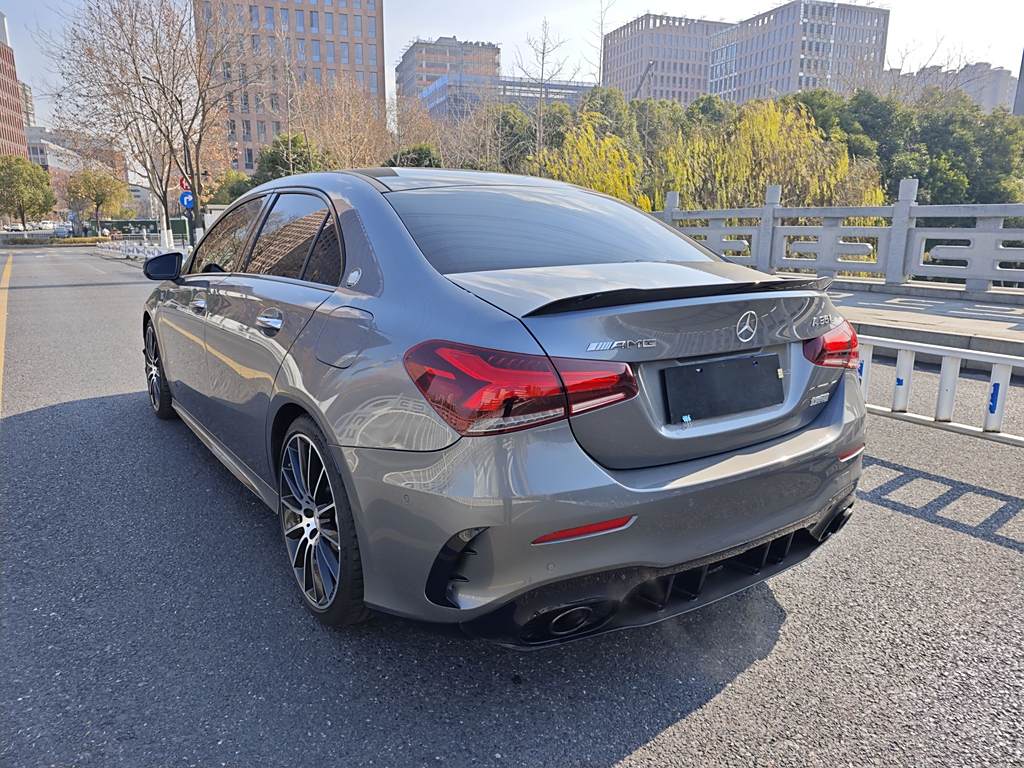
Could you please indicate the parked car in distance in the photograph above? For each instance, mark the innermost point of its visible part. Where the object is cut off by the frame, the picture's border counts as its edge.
(505, 402)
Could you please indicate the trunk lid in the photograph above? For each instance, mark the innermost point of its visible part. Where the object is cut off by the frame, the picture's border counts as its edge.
(659, 316)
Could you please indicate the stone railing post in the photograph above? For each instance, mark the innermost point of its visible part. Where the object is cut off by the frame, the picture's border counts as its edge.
(975, 283)
(671, 205)
(896, 259)
(765, 231)
(828, 246)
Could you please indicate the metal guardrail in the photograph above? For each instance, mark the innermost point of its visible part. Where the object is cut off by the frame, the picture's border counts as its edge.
(949, 374)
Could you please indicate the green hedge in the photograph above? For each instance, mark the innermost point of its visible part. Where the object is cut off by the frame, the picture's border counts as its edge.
(78, 240)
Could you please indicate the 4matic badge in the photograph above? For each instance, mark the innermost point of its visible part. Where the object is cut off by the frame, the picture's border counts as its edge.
(604, 346)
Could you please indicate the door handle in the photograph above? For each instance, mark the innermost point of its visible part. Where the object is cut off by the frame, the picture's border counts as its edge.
(270, 319)
(198, 306)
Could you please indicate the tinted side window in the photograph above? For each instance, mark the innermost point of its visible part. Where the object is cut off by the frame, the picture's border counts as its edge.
(221, 249)
(325, 260)
(287, 235)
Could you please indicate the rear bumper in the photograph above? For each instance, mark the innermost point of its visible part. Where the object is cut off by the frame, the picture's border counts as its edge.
(410, 505)
(637, 597)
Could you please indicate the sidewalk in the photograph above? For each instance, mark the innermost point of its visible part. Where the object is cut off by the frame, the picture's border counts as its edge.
(985, 327)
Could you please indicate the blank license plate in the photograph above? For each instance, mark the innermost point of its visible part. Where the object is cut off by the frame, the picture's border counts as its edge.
(721, 387)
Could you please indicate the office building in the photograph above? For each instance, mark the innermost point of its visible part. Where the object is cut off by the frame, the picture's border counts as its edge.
(680, 49)
(1018, 102)
(144, 202)
(318, 42)
(454, 98)
(424, 62)
(12, 117)
(28, 104)
(66, 151)
(51, 151)
(47, 150)
(987, 86)
(799, 46)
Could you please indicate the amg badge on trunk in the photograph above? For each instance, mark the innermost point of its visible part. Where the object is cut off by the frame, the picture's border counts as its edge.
(604, 346)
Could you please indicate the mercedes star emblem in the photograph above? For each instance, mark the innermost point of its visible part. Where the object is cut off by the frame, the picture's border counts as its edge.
(746, 326)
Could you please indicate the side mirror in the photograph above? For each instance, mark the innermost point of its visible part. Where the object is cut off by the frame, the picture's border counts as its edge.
(166, 266)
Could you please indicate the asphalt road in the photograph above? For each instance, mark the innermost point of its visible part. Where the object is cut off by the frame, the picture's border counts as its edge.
(148, 618)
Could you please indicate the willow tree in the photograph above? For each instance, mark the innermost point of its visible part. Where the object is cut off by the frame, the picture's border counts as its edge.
(600, 162)
(730, 165)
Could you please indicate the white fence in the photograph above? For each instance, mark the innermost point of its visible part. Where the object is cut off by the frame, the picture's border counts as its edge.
(140, 247)
(894, 243)
(992, 409)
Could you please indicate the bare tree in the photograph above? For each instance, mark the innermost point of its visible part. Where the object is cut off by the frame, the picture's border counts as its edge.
(154, 159)
(153, 80)
(286, 81)
(545, 65)
(344, 120)
(412, 124)
(597, 43)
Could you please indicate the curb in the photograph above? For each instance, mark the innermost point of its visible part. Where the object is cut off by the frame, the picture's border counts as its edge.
(956, 340)
(989, 344)
(107, 256)
(931, 291)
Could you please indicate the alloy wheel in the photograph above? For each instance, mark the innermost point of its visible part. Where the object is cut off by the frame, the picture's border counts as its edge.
(309, 519)
(154, 375)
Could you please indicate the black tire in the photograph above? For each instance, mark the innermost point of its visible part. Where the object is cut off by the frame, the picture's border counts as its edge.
(156, 381)
(310, 537)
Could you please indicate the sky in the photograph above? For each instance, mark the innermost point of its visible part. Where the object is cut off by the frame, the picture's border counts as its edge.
(920, 31)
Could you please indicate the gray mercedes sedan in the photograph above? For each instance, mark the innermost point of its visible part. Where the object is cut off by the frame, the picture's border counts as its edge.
(505, 402)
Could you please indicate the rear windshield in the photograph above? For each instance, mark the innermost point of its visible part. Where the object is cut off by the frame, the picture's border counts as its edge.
(473, 229)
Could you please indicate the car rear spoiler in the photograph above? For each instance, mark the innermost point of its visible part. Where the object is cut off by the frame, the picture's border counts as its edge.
(619, 297)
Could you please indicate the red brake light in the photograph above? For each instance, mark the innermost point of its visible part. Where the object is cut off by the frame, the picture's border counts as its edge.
(592, 384)
(837, 348)
(482, 391)
(487, 391)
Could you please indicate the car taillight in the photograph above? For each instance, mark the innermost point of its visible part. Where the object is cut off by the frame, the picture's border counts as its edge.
(837, 348)
(486, 391)
(592, 384)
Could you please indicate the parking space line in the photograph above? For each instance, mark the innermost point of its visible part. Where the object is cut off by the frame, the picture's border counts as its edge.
(987, 530)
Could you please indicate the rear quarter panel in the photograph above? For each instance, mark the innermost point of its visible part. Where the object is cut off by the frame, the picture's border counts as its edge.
(366, 399)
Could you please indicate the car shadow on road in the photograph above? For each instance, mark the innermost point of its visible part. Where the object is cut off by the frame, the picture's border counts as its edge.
(151, 616)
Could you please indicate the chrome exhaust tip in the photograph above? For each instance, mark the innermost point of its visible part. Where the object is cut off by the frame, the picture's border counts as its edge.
(558, 622)
(570, 621)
